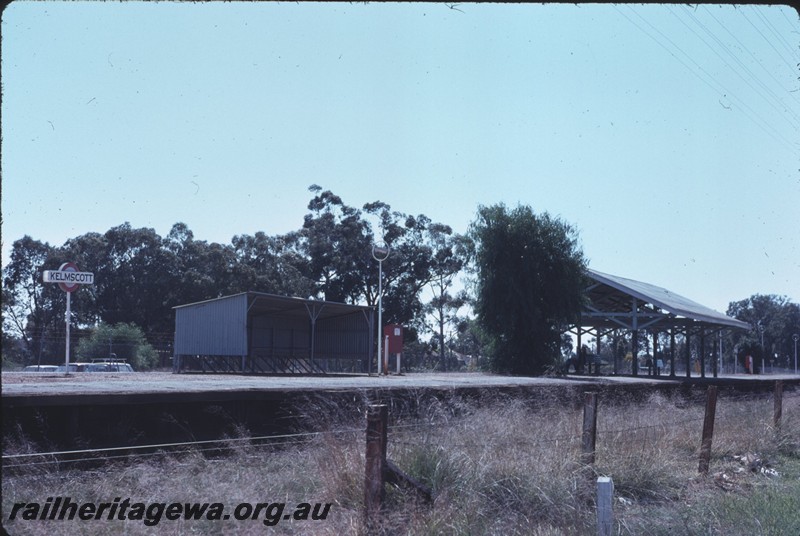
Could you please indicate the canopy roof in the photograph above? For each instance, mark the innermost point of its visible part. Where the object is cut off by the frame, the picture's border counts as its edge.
(262, 303)
(618, 302)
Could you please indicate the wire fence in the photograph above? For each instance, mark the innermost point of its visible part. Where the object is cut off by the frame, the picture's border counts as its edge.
(453, 440)
(406, 434)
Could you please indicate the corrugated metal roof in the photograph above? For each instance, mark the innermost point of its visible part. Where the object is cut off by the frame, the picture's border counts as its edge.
(264, 303)
(666, 300)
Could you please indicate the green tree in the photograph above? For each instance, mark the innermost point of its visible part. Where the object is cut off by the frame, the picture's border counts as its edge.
(121, 341)
(33, 311)
(780, 319)
(423, 254)
(272, 264)
(471, 341)
(336, 240)
(135, 279)
(530, 272)
(450, 254)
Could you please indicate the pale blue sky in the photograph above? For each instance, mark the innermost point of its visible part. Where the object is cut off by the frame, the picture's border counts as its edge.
(668, 135)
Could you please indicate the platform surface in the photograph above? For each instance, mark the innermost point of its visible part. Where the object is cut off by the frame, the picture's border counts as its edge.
(27, 384)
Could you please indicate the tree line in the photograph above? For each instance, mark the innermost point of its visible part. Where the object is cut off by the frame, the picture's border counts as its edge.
(140, 276)
(520, 274)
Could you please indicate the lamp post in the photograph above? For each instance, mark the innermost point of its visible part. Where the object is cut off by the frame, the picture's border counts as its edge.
(795, 337)
(761, 330)
(380, 252)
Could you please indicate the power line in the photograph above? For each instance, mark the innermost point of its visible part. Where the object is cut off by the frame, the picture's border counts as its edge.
(726, 91)
(772, 29)
(783, 12)
(791, 68)
(721, 90)
(738, 61)
(756, 60)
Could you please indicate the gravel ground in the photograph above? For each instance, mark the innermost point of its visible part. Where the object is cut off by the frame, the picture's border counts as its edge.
(79, 377)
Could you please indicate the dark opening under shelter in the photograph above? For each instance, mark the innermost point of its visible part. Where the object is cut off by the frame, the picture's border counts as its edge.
(254, 332)
(618, 303)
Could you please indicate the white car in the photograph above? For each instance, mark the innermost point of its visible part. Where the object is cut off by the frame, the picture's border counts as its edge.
(109, 365)
(40, 368)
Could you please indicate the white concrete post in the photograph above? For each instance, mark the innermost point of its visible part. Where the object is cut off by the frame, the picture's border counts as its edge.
(605, 506)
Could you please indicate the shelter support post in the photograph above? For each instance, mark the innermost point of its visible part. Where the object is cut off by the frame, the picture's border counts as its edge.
(672, 353)
(654, 361)
(597, 350)
(703, 353)
(715, 355)
(688, 354)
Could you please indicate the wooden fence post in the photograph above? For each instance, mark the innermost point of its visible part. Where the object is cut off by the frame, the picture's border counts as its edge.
(777, 411)
(605, 506)
(708, 429)
(588, 439)
(589, 436)
(374, 492)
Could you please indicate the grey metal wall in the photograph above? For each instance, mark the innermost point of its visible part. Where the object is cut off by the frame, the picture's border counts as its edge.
(342, 336)
(217, 327)
(280, 336)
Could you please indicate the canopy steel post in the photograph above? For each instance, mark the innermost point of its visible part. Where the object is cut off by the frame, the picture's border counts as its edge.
(688, 354)
(715, 356)
(654, 361)
(703, 353)
(597, 350)
(672, 353)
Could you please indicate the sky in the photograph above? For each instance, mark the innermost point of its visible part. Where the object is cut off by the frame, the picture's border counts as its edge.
(666, 135)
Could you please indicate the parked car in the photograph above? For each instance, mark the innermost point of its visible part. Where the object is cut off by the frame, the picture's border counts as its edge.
(40, 368)
(73, 367)
(110, 365)
(98, 365)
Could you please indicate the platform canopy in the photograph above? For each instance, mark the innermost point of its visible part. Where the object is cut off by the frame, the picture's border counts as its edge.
(616, 302)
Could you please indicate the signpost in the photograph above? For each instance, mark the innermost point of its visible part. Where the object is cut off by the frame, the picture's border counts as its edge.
(69, 279)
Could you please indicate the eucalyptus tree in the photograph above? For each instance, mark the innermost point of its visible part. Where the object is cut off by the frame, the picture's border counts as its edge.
(774, 319)
(135, 279)
(33, 311)
(336, 241)
(193, 280)
(272, 264)
(530, 276)
(450, 255)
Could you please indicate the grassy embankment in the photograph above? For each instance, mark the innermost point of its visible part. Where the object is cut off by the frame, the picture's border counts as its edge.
(497, 466)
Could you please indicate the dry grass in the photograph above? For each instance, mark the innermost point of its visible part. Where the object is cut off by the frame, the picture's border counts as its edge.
(497, 465)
